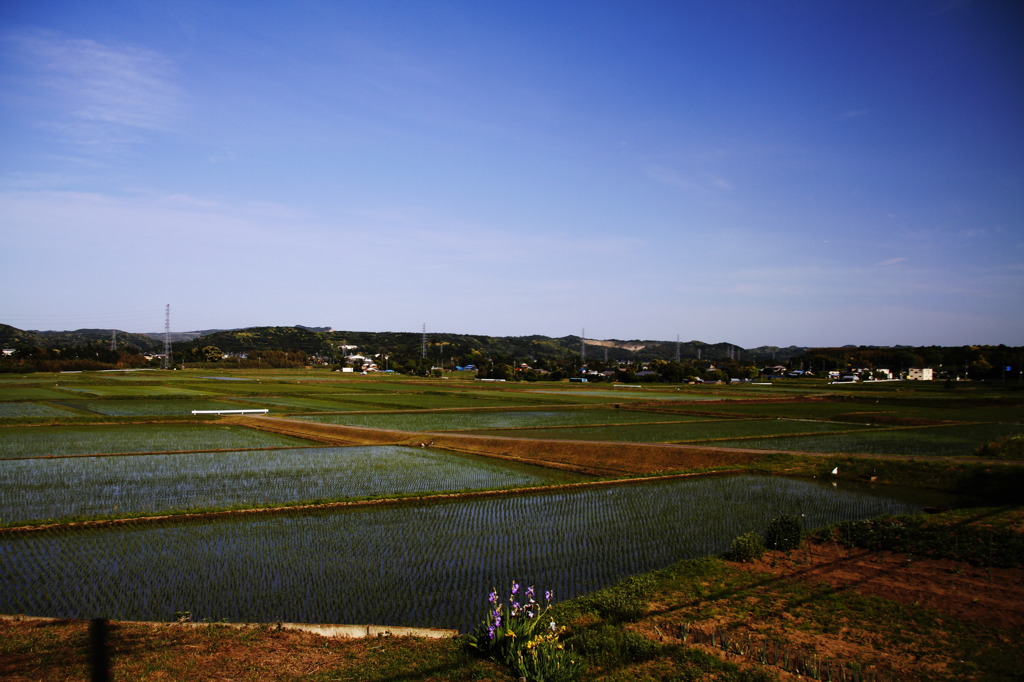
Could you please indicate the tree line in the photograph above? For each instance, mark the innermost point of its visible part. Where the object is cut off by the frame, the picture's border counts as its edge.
(528, 358)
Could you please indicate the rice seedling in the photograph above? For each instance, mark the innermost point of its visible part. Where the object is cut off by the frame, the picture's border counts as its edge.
(29, 393)
(28, 410)
(34, 490)
(56, 441)
(625, 395)
(948, 441)
(469, 421)
(135, 391)
(680, 431)
(153, 408)
(301, 404)
(403, 565)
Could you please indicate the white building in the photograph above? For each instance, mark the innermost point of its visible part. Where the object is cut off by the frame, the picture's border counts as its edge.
(920, 374)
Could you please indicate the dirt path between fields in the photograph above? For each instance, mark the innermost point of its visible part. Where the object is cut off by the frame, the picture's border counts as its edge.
(599, 458)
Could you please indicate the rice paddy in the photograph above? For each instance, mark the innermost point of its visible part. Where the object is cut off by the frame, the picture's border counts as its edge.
(682, 431)
(148, 407)
(415, 564)
(35, 490)
(935, 441)
(408, 563)
(22, 410)
(469, 421)
(64, 441)
(116, 391)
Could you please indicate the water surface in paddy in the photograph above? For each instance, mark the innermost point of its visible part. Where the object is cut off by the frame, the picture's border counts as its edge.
(412, 564)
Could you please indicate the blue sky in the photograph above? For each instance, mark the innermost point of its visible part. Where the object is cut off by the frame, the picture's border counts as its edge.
(807, 173)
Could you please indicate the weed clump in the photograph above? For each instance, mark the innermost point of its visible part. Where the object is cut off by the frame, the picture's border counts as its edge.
(608, 646)
(784, 533)
(1010, 447)
(980, 546)
(745, 548)
(624, 602)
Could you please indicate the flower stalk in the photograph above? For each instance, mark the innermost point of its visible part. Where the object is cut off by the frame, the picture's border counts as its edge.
(520, 634)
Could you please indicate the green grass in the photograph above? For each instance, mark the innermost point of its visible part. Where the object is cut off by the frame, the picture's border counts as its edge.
(947, 441)
(119, 391)
(290, 404)
(685, 431)
(145, 407)
(626, 394)
(970, 539)
(790, 410)
(435, 400)
(881, 409)
(29, 393)
(468, 421)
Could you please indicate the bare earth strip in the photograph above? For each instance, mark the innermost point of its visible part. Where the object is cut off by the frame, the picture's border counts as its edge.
(601, 458)
(592, 457)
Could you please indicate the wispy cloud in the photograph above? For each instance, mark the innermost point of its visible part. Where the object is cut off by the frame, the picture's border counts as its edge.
(893, 261)
(97, 94)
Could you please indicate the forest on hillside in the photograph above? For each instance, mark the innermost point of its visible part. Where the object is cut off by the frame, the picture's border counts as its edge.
(490, 356)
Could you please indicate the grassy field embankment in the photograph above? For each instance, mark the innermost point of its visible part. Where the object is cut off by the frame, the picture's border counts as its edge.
(835, 608)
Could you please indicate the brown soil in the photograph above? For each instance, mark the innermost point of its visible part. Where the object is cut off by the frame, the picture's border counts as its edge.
(57, 651)
(981, 595)
(989, 603)
(599, 458)
(954, 596)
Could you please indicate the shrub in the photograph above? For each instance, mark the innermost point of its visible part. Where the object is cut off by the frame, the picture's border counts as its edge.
(746, 547)
(784, 533)
(1010, 447)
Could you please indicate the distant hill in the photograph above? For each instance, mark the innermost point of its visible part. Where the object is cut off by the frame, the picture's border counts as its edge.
(407, 350)
(324, 340)
(11, 337)
(444, 346)
(177, 337)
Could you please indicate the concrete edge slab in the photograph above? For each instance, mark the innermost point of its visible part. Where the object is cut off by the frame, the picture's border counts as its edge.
(324, 630)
